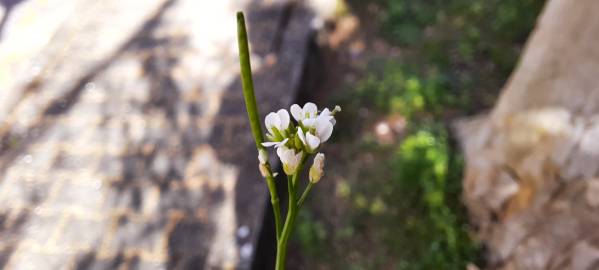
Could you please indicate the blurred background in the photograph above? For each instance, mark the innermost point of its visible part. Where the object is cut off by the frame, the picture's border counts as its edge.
(124, 142)
(403, 71)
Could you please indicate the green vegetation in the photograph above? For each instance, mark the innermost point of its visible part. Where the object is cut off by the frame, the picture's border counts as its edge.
(398, 204)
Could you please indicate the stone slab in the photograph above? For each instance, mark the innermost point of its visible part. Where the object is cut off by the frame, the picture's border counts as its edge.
(123, 136)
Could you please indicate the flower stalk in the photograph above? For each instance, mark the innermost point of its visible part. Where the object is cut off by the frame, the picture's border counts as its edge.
(295, 141)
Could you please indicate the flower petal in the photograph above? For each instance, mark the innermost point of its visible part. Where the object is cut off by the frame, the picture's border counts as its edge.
(296, 112)
(312, 141)
(324, 129)
(309, 122)
(269, 144)
(262, 156)
(282, 153)
(285, 154)
(289, 159)
(325, 112)
(281, 143)
(310, 110)
(327, 115)
(297, 158)
(300, 134)
(272, 120)
(284, 118)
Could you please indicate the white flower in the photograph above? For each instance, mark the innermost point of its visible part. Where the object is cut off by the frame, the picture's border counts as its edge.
(289, 159)
(277, 124)
(316, 171)
(307, 112)
(310, 141)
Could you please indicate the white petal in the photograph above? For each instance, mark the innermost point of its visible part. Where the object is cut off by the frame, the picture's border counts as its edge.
(313, 141)
(297, 158)
(282, 154)
(296, 112)
(324, 129)
(272, 120)
(275, 144)
(285, 154)
(269, 144)
(289, 159)
(309, 123)
(300, 134)
(326, 114)
(310, 109)
(262, 156)
(319, 160)
(281, 143)
(284, 118)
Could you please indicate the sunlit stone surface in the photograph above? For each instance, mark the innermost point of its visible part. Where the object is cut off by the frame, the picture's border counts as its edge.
(123, 133)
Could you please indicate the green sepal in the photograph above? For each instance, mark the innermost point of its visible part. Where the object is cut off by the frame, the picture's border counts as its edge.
(298, 143)
(278, 135)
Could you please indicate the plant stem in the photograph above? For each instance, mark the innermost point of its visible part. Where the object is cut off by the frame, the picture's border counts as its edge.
(282, 243)
(304, 195)
(274, 200)
(291, 215)
(253, 115)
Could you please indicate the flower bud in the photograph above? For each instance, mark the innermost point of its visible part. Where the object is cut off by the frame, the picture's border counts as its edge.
(289, 158)
(316, 171)
(263, 170)
(262, 156)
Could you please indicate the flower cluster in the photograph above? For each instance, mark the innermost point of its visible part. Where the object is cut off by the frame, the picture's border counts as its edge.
(294, 140)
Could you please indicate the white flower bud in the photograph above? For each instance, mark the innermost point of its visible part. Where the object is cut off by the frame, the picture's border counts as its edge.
(289, 158)
(262, 156)
(263, 170)
(317, 169)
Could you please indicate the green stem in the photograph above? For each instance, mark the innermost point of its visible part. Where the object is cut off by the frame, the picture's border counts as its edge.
(253, 115)
(291, 215)
(304, 195)
(274, 200)
(289, 221)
